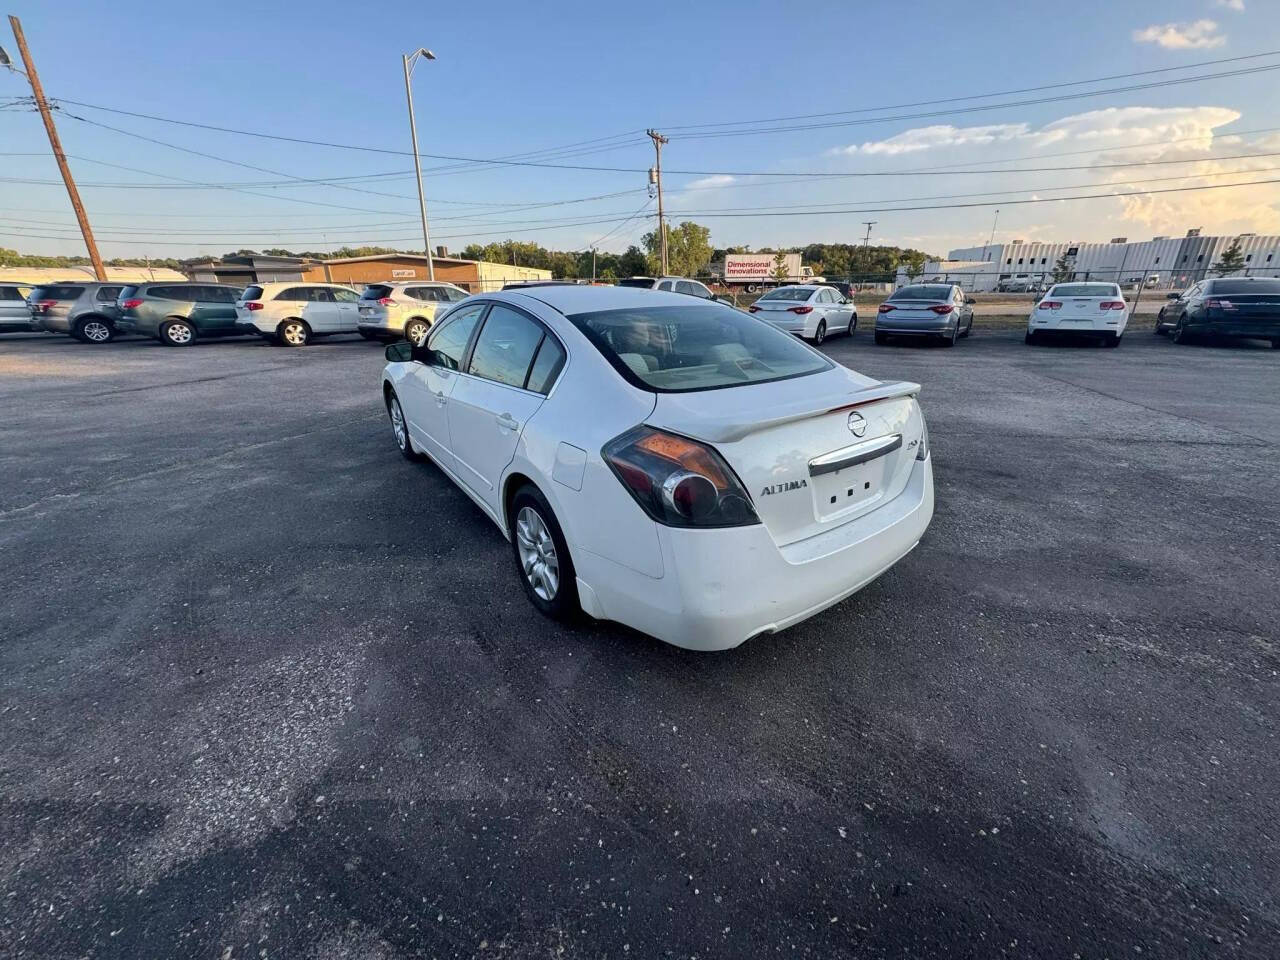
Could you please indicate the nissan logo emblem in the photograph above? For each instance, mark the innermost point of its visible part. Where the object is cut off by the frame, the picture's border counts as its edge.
(857, 424)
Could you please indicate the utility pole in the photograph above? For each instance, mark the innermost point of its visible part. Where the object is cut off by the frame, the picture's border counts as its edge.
(658, 140)
(46, 115)
(410, 60)
(593, 264)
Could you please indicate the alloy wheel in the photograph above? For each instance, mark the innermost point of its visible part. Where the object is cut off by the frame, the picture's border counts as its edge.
(397, 423)
(416, 332)
(294, 334)
(96, 331)
(537, 554)
(821, 333)
(179, 333)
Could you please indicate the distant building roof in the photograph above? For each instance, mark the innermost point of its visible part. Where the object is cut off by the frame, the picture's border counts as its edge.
(392, 256)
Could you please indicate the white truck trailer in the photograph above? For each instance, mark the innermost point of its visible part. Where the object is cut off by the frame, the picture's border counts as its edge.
(755, 271)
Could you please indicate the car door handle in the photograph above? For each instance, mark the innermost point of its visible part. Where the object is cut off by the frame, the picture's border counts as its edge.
(507, 422)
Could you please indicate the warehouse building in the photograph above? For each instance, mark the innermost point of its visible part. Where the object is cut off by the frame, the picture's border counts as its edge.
(474, 276)
(1172, 263)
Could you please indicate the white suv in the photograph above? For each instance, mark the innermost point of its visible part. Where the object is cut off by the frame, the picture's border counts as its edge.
(404, 309)
(293, 314)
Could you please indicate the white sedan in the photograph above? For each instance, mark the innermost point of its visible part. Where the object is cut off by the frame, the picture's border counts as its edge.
(811, 311)
(1095, 310)
(677, 466)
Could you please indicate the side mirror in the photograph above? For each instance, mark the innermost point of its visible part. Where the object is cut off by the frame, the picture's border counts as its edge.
(1172, 296)
(969, 301)
(400, 352)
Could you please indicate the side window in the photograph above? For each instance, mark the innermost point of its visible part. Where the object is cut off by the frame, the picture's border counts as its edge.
(108, 293)
(217, 294)
(664, 285)
(824, 296)
(344, 296)
(319, 295)
(684, 286)
(506, 345)
(546, 365)
(292, 293)
(448, 342)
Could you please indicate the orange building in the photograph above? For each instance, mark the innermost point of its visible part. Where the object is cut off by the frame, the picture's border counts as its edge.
(474, 276)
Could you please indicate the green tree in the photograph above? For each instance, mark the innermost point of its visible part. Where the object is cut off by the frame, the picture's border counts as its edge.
(633, 263)
(1063, 269)
(1231, 261)
(688, 249)
(915, 264)
(779, 271)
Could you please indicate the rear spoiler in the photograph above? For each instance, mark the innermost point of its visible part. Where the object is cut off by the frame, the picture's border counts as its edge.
(727, 431)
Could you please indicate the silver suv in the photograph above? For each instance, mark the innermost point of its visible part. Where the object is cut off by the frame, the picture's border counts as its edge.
(15, 316)
(393, 310)
(84, 310)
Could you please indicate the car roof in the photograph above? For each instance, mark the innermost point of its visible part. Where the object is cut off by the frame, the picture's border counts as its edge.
(576, 298)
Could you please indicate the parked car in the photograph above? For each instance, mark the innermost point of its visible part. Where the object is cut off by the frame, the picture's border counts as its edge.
(178, 314)
(84, 310)
(1096, 310)
(293, 314)
(691, 288)
(846, 290)
(808, 310)
(404, 309)
(1224, 307)
(680, 468)
(934, 310)
(15, 315)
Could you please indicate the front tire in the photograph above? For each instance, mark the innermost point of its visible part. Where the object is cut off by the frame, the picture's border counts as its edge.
(1179, 333)
(820, 334)
(178, 333)
(542, 555)
(415, 331)
(294, 333)
(400, 427)
(94, 330)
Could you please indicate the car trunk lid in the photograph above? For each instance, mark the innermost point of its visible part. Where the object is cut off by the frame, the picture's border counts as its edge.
(813, 452)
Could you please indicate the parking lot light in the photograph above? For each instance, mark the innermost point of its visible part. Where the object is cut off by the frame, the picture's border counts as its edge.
(410, 60)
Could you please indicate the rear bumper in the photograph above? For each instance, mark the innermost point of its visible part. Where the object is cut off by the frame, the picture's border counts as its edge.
(721, 587)
(380, 325)
(1093, 327)
(916, 326)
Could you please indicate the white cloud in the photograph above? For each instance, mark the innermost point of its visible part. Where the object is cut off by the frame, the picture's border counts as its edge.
(1236, 5)
(939, 135)
(711, 183)
(1201, 34)
(1126, 126)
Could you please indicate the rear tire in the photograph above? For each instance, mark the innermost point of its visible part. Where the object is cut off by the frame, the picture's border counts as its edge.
(293, 333)
(1031, 339)
(881, 338)
(1112, 340)
(94, 330)
(820, 334)
(949, 340)
(542, 556)
(415, 331)
(967, 330)
(1179, 333)
(178, 333)
(1275, 343)
(853, 325)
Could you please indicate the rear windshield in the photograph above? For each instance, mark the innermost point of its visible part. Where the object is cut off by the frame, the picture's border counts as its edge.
(695, 347)
(1240, 288)
(1086, 290)
(126, 292)
(252, 293)
(924, 291)
(788, 293)
(57, 292)
(645, 282)
(376, 291)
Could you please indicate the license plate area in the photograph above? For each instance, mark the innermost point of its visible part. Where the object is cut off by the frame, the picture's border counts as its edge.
(849, 489)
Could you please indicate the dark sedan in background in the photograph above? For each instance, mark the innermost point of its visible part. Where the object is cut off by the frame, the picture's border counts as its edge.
(1238, 307)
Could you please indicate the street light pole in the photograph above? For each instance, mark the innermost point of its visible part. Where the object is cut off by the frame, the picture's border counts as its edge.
(409, 61)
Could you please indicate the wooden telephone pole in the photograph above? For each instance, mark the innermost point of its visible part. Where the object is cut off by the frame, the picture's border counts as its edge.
(658, 140)
(47, 116)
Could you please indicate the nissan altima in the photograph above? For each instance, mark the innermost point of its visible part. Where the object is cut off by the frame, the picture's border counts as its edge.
(677, 466)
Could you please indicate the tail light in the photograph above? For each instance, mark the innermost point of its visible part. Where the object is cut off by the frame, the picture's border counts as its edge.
(753, 309)
(885, 308)
(943, 308)
(253, 306)
(45, 305)
(1050, 305)
(131, 303)
(804, 309)
(1111, 305)
(677, 481)
(1219, 305)
(385, 301)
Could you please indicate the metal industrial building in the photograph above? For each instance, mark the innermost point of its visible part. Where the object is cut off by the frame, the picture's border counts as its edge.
(1163, 262)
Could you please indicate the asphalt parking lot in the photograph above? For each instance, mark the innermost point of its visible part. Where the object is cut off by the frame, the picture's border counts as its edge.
(267, 689)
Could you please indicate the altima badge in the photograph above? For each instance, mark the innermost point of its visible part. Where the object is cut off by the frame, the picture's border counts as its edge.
(857, 424)
(784, 487)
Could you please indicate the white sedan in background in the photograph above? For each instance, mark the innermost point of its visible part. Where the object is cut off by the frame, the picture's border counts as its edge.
(677, 466)
(808, 310)
(1080, 309)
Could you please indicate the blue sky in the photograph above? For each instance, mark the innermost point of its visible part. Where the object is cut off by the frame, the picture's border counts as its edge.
(514, 78)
